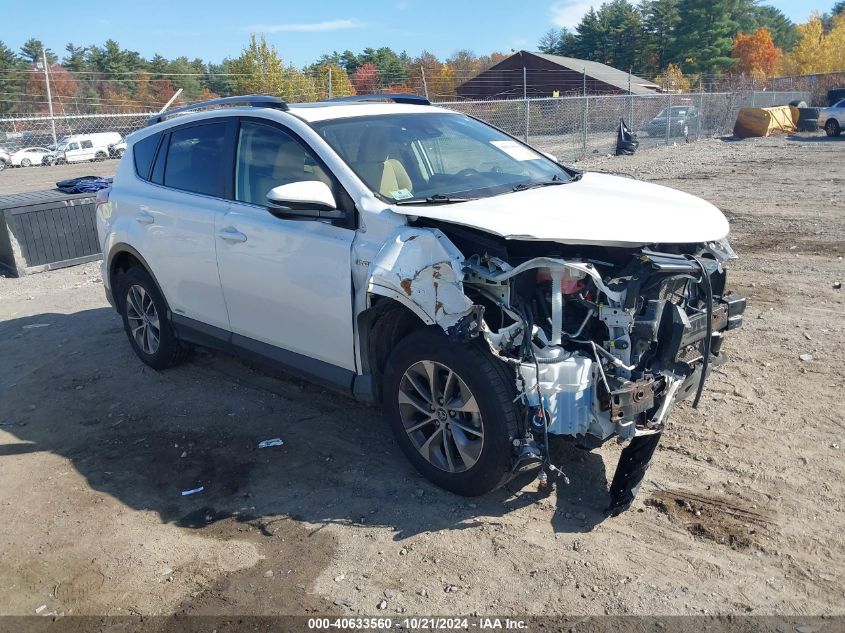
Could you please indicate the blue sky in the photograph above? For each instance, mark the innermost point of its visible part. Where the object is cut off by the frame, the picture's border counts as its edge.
(302, 29)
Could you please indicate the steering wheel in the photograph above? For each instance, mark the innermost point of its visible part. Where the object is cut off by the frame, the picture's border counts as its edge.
(465, 173)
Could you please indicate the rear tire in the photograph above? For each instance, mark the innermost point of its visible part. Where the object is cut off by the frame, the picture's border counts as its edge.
(462, 441)
(146, 320)
(832, 128)
(100, 156)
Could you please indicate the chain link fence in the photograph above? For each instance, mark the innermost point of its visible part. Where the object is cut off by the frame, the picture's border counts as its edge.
(568, 127)
(574, 127)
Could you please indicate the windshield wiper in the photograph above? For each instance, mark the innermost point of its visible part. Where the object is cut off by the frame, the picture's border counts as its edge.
(524, 186)
(437, 198)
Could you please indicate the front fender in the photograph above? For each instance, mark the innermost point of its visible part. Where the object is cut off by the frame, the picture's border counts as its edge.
(421, 269)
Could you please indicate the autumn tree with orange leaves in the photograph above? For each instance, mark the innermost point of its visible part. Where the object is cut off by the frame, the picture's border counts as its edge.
(756, 53)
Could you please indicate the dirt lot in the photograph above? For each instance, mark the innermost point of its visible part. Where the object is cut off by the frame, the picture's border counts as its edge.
(24, 179)
(742, 511)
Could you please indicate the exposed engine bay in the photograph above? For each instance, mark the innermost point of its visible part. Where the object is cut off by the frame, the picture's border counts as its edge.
(602, 340)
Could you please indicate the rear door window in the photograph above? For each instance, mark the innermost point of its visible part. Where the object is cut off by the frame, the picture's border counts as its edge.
(194, 159)
(87, 145)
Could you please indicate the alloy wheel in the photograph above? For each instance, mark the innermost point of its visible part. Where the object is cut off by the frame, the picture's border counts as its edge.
(441, 416)
(144, 325)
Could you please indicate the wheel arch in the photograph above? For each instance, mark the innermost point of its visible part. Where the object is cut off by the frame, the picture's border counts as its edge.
(121, 258)
(379, 329)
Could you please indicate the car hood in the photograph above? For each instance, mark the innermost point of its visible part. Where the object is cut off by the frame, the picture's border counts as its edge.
(597, 209)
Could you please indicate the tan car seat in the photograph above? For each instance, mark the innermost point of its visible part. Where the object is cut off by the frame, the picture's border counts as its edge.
(272, 164)
(381, 172)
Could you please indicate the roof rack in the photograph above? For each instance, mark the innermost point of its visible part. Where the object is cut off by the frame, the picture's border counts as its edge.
(382, 96)
(256, 101)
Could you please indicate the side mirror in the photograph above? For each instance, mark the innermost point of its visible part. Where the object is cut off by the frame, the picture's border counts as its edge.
(304, 199)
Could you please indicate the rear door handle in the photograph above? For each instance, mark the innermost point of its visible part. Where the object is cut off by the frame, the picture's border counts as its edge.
(231, 235)
(144, 218)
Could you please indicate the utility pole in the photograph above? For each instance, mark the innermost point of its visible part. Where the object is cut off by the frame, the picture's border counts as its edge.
(49, 94)
(586, 116)
(525, 99)
(425, 83)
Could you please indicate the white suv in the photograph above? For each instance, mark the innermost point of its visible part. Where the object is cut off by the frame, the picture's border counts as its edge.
(486, 295)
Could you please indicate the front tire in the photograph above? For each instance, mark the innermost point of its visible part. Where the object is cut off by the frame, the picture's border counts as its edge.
(26, 162)
(451, 409)
(832, 128)
(146, 320)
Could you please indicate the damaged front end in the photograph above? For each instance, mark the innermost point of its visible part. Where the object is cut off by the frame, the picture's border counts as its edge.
(602, 340)
(604, 347)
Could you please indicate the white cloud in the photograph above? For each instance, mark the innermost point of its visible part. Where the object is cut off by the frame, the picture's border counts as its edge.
(569, 12)
(308, 27)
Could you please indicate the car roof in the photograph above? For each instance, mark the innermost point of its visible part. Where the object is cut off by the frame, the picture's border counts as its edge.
(324, 111)
(308, 112)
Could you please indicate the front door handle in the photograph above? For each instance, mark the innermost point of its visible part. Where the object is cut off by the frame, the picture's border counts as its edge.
(231, 235)
(144, 218)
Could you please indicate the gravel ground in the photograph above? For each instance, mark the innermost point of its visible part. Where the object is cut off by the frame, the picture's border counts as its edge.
(38, 178)
(741, 511)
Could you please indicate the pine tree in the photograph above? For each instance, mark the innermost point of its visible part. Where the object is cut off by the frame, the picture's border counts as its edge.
(75, 59)
(589, 37)
(33, 50)
(12, 79)
(660, 21)
(612, 35)
(704, 35)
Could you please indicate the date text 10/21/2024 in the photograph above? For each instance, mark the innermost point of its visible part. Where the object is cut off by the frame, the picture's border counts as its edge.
(418, 623)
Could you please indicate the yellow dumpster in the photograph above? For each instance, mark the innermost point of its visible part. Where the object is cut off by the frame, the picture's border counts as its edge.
(764, 121)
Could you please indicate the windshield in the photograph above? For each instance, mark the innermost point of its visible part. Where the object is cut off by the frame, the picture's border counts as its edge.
(676, 111)
(436, 157)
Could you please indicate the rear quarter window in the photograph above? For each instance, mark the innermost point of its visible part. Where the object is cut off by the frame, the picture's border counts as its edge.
(144, 151)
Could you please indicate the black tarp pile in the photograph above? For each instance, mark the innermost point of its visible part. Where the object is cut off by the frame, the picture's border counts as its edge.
(626, 140)
(83, 184)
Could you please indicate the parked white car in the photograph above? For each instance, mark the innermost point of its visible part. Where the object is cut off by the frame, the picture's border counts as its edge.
(832, 119)
(487, 296)
(78, 148)
(5, 158)
(29, 156)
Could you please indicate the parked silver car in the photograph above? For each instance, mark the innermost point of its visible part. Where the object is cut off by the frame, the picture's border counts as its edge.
(832, 119)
